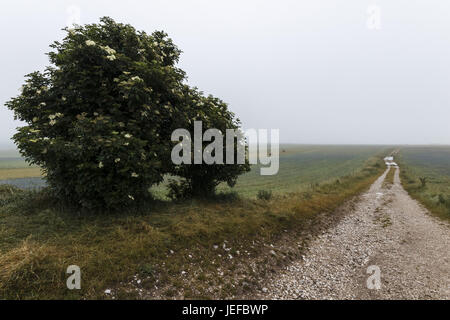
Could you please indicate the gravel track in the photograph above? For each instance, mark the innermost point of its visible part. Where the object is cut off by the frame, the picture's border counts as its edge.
(385, 228)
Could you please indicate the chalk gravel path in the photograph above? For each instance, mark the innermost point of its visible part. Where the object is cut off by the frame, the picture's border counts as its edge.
(386, 229)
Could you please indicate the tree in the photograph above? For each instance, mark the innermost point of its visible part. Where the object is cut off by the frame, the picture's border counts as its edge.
(100, 118)
(201, 180)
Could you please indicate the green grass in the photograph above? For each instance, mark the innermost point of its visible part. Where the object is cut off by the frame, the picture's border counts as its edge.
(432, 163)
(39, 238)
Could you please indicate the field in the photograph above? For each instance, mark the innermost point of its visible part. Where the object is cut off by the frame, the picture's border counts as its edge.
(430, 164)
(301, 166)
(172, 248)
(15, 171)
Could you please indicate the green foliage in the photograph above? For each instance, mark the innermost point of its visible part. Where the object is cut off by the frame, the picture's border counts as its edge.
(179, 190)
(423, 182)
(442, 199)
(264, 195)
(100, 118)
(201, 180)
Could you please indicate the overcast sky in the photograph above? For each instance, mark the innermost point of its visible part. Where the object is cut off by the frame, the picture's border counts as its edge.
(321, 71)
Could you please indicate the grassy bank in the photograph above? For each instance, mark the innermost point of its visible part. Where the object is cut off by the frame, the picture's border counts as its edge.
(191, 249)
(425, 174)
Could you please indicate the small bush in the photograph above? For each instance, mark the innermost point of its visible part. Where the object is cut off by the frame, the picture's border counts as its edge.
(264, 195)
(442, 199)
(423, 182)
(179, 190)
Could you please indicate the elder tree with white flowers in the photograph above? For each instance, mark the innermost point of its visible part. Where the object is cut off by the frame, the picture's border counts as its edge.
(99, 119)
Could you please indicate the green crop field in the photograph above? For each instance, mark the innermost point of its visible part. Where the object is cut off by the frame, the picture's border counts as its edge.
(301, 166)
(431, 163)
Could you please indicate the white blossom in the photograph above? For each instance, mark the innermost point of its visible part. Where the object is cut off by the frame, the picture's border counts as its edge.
(90, 43)
(134, 175)
(100, 164)
(136, 78)
(109, 50)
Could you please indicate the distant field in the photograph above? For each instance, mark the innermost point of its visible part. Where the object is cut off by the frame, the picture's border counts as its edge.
(16, 168)
(433, 164)
(300, 167)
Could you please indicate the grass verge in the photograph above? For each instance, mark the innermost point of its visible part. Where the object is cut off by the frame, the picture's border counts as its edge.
(433, 195)
(425, 175)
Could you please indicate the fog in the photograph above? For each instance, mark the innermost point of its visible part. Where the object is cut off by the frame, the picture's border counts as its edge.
(322, 71)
